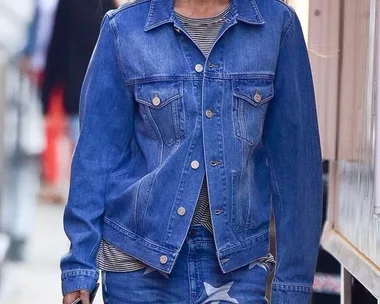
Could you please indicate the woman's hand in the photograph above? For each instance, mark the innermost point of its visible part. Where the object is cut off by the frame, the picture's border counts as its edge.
(84, 296)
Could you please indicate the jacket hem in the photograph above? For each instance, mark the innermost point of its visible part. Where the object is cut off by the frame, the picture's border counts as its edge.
(151, 253)
(245, 253)
(143, 249)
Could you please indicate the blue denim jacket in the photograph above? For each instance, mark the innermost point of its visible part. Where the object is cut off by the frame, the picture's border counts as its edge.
(156, 115)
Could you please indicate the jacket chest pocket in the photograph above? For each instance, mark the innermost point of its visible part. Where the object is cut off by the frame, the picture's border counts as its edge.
(249, 108)
(161, 107)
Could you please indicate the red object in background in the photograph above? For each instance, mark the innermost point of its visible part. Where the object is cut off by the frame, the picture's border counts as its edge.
(55, 124)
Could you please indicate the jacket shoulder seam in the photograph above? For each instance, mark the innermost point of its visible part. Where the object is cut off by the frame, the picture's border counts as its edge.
(116, 44)
(287, 28)
(125, 6)
(290, 8)
(290, 20)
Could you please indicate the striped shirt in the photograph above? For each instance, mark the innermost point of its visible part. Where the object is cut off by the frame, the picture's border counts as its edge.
(204, 32)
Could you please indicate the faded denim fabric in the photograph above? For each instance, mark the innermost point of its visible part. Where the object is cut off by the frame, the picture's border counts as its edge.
(147, 139)
(196, 278)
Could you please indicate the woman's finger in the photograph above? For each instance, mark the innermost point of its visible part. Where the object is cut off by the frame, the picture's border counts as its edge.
(85, 296)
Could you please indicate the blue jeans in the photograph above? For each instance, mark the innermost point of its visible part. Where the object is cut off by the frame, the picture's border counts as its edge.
(195, 279)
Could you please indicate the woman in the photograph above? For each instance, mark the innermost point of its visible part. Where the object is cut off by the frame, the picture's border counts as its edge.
(196, 117)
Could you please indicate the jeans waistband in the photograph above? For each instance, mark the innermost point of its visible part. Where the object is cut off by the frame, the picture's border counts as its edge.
(199, 233)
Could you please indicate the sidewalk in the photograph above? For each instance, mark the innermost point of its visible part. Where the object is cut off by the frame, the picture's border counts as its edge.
(38, 279)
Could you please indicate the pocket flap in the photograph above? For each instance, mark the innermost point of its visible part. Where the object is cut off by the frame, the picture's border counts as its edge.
(158, 94)
(255, 91)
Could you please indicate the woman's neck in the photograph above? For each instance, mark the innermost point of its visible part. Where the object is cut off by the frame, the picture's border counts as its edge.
(200, 8)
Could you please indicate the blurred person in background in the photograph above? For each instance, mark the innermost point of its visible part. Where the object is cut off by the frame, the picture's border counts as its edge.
(76, 28)
(24, 136)
(197, 117)
(33, 58)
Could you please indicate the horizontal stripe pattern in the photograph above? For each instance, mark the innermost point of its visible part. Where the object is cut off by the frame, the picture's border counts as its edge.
(204, 31)
(202, 215)
(111, 259)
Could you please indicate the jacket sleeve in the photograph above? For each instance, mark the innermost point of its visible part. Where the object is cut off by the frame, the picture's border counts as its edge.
(106, 117)
(292, 143)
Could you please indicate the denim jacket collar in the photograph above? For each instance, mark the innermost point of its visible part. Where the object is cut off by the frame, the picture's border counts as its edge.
(162, 12)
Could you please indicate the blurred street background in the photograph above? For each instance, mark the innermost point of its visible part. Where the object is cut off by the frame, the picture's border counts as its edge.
(39, 128)
(37, 277)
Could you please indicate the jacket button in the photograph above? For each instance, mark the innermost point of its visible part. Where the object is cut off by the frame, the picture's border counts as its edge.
(156, 100)
(195, 164)
(163, 259)
(257, 98)
(209, 114)
(199, 68)
(181, 211)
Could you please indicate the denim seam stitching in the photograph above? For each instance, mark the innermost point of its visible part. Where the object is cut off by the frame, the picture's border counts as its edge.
(135, 200)
(124, 77)
(208, 75)
(287, 30)
(273, 175)
(277, 191)
(188, 272)
(184, 173)
(163, 104)
(116, 43)
(292, 287)
(129, 233)
(250, 100)
(257, 11)
(107, 175)
(79, 272)
(147, 199)
(155, 125)
(149, 25)
(223, 156)
(150, 14)
(251, 241)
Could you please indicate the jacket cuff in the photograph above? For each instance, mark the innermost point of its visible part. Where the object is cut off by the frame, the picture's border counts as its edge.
(76, 280)
(290, 294)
